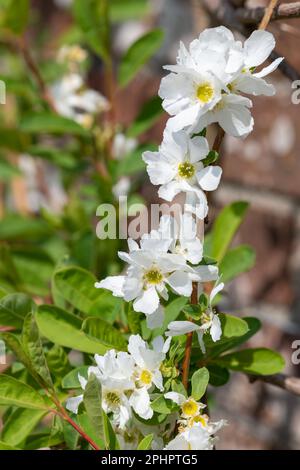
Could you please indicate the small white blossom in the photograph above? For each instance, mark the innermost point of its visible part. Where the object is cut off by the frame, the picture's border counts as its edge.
(151, 270)
(177, 167)
(210, 322)
(147, 372)
(123, 145)
(73, 101)
(204, 86)
(196, 437)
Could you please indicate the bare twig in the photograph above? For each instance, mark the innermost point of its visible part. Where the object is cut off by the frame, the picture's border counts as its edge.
(281, 12)
(268, 14)
(290, 384)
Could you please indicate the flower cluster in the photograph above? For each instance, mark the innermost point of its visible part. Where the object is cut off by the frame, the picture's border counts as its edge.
(127, 379)
(207, 85)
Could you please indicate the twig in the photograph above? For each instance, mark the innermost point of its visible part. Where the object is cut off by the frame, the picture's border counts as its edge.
(63, 414)
(268, 14)
(291, 384)
(188, 344)
(281, 12)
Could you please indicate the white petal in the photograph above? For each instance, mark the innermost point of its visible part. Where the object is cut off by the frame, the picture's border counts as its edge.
(73, 403)
(155, 319)
(235, 118)
(215, 291)
(201, 342)
(114, 284)
(179, 443)
(183, 119)
(175, 397)
(135, 345)
(270, 68)
(157, 379)
(140, 402)
(148, 302)
(169, 191)
(82, 381)
(209, 178)
(252, 85)
(207, 273)
(181, 283)
(198, 148)
(160, 171)
(258, 48)
(178, 328)
(216, 329)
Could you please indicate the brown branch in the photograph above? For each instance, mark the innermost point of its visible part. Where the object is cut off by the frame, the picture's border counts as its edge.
(290, 384)
(284, 11)
(268, 14)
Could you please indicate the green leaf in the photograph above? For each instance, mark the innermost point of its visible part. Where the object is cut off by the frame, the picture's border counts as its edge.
(40, 440)
(260, 361)
(138, 54)
(20, 424)
(232, 327)
(8, 171)
(237, 261)
(92, 18)
(122, 11)
(225, 228)
(211, 158)
(131, 163)
(17, 227)
(58, 361)
(88, 428)
(16, 393)
(16, 15)
(14, 308)
(145, 443)
(77, 287)
(172, 311)
(34, 350)
(71, 381)
(200, 381)
(92, 399)
(148, 115)
(162, 406)
(64, 329)
(4, 446)
(218, 348)
(37, 123)
(105, 333)
(111, 441)
(218, 376)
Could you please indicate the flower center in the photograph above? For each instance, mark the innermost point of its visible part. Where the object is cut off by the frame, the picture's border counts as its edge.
(199, 419)
(153, 276)
(112, 399)
(205, 318)
(190, 407)
(146, 377)
(186, 170)
(205, 92)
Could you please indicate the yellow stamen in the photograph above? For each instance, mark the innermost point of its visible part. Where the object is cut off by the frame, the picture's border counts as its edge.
(205, 92)
(186, 170)
(190, 407)
(146, 377)
(153, 276)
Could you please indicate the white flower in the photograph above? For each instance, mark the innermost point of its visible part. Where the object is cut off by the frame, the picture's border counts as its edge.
(123, 145)
(151, 270)
(74, 102)
(147, 372)
(115, 373)
(203, 87)
(210, 322)
(72, 55)
(196, 437)
(190, 408)
(177, 167)
(184, 235)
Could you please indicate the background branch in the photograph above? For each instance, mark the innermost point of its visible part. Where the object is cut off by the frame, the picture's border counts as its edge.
(290, 384)
(281, 12)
